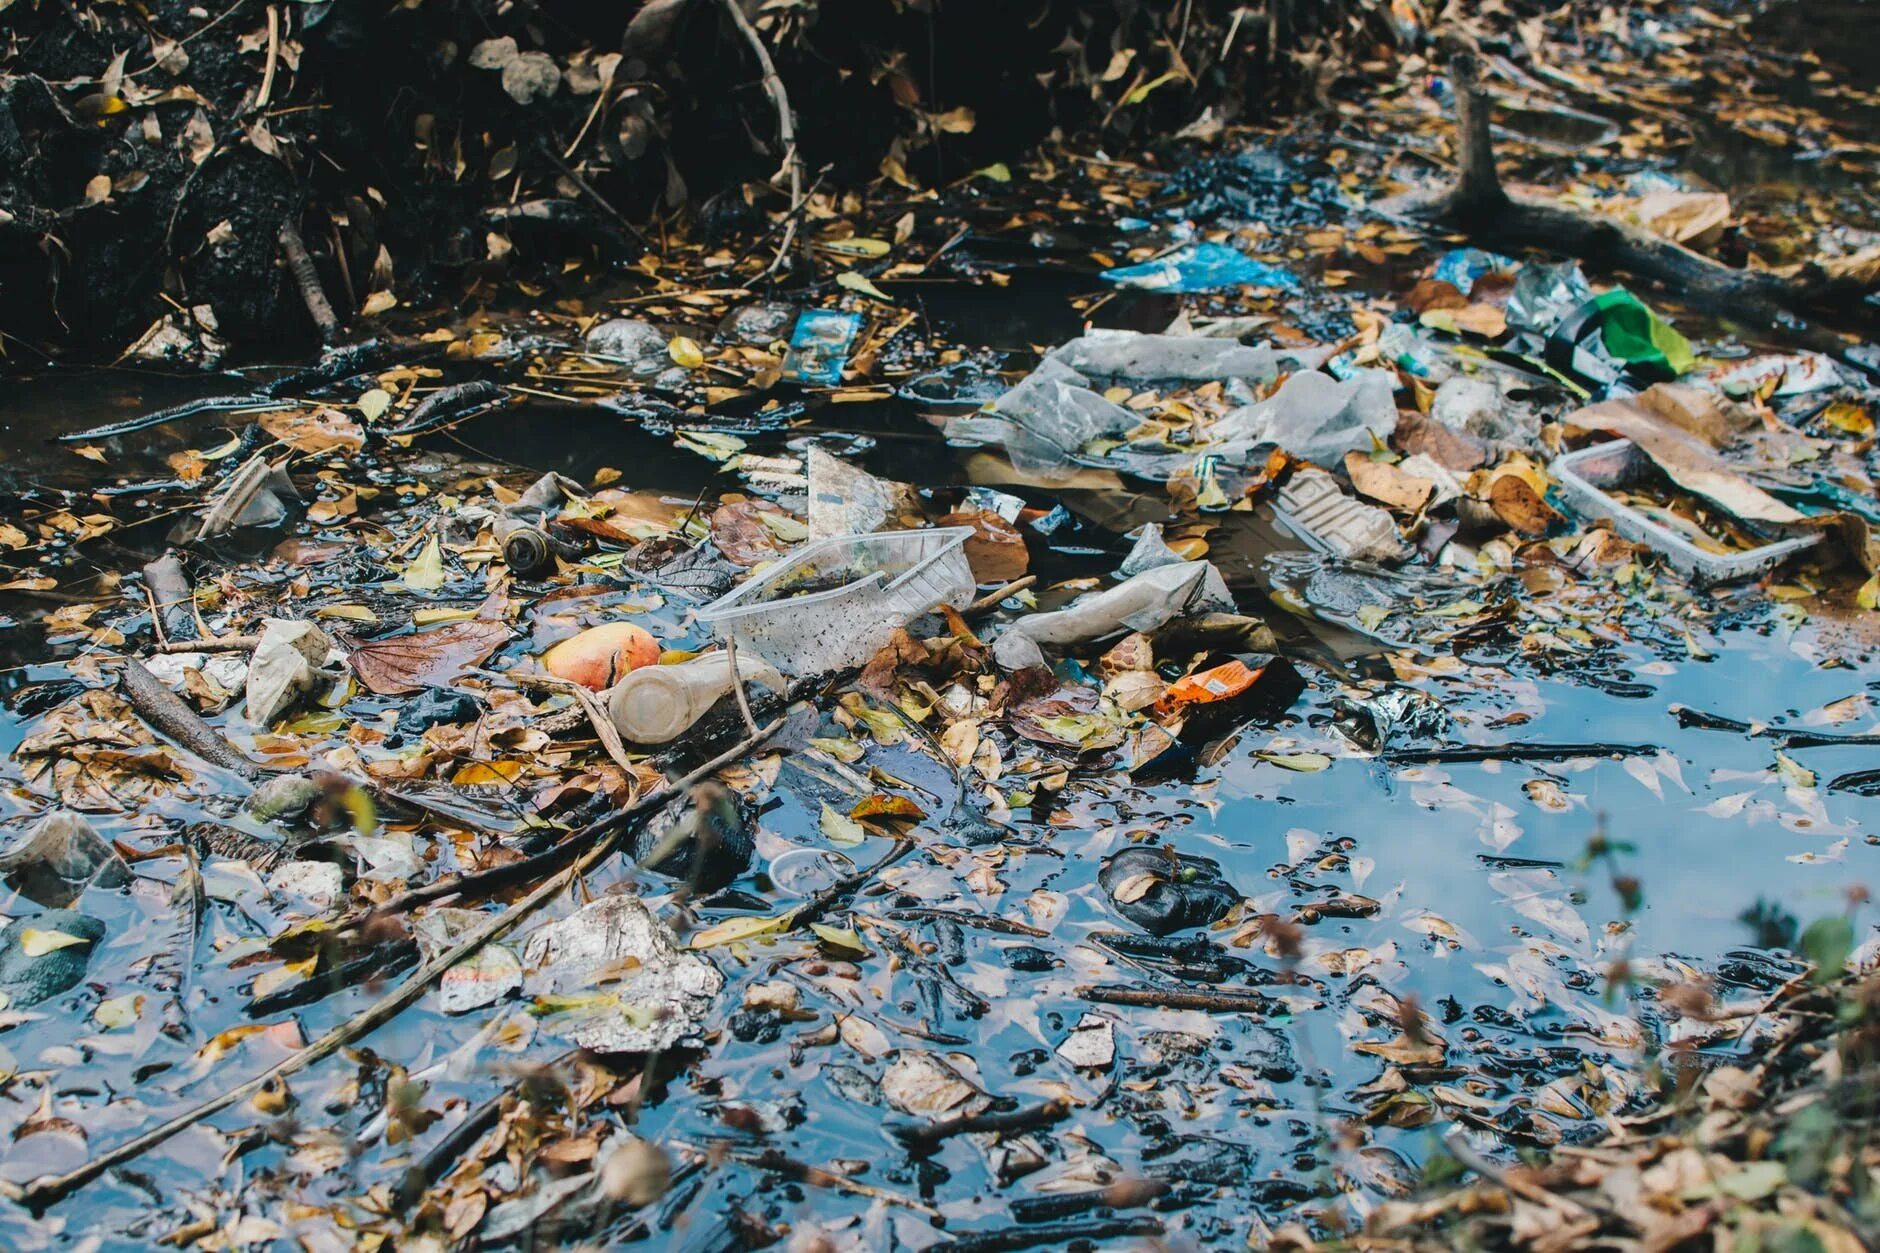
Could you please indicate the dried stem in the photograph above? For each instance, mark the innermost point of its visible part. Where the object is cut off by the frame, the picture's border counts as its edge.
(307, 279)
(786, 125)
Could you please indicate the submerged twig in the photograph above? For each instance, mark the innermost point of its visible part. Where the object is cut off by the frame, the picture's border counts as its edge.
(45, 1191)
(1223, 1002)
(1458, 753)
(165, 710)
(924, 1137)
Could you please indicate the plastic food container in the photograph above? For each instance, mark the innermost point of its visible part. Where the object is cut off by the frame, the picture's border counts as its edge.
(833, 603)
(1585, 474)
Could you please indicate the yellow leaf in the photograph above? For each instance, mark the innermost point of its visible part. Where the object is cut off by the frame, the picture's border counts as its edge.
(91, 452)
(119, 1011)
(860, 246)
(685, 352)
(426, 574)
(1869, 594)
(998, 172)
(373, 404)
(487, 772)
(348, 613)
(857, 282)
(426, 617)
(378, 302)
(1304, 763)
(839, 828)
(1141, 93)
(37, 943)
(734, 929)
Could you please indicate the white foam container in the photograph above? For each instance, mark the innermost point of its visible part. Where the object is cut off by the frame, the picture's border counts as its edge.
(888, 578)
(1583, 476)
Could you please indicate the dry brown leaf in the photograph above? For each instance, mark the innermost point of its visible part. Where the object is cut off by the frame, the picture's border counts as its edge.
(1386, 483)
(404, 664)
(1521, 507)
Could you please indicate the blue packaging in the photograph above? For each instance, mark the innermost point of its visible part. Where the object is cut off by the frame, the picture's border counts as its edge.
(1201, 268)
(819, 346)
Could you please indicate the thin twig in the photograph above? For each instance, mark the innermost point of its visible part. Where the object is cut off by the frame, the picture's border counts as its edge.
(307, 279)
(45, 1191)
(215, 644)
(274, 56)
(990, 601)
(737, 682)
(786, 125)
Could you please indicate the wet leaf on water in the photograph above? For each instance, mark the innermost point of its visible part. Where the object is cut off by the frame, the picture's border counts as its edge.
(859, 246)
(685, 352)
(373, 403)
(712, 444)
(843, 750)
(882, 805)
(402, 664)
(734, 929)
(1304, 763)
(840, 938)
(856, 281)
(839, 828)
(425, 573)
(1793, 771)
(119, 1011)
(1135, 887)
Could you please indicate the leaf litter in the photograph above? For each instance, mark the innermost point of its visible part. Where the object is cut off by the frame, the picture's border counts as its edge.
(1269, 968)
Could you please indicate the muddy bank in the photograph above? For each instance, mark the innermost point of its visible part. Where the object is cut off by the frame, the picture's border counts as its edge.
(423, 152)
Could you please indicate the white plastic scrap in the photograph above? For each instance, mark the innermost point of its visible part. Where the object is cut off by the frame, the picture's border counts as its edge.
(1140, 603)
(1317, 417)
(611, 1004)
(1188, 358)
(285, 669)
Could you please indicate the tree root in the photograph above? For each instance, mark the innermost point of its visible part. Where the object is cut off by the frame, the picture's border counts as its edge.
(1479, 205)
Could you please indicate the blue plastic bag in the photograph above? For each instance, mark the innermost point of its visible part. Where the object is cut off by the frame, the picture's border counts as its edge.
(1199, 268)
(819, 346)
(1460, 267)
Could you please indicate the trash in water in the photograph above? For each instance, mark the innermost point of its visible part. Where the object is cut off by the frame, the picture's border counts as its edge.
(847, 500)
(1590, 476)
(639, 346)
(60, 857)
(832, 604)
(1313, 506)
(1545, 294)
(1316, 417)
(1222, 694)
(257, 496)
(819, 347)
(707, 842)
(1163, 891)
(1461, 267)
(1201, 268)
(1615, 333)
(1395, 714)
(1141, 603)
(433, 707)
(962, 385)
(656, 704)
(1109, 354)
(287, 668)
(1794, 374)
(574, 971)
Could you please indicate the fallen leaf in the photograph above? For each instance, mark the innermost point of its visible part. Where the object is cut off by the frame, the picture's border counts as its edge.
(1386, 483)
(403, 664)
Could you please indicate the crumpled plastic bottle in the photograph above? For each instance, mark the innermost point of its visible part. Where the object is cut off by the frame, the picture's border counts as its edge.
(1317, 417)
